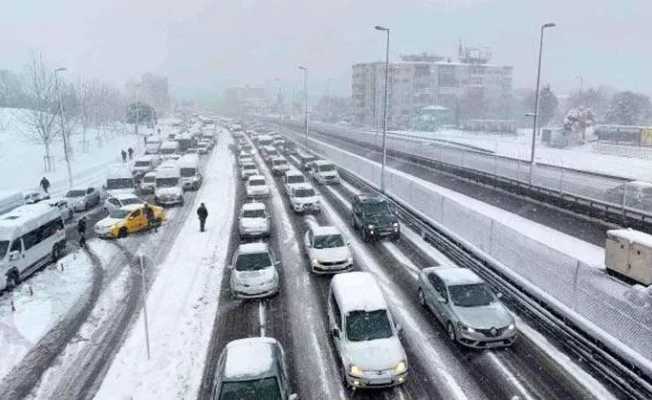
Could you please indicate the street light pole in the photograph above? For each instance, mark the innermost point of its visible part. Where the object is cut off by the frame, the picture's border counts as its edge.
(382, 168)
(66, 149)
(305, 98)
(536, 94)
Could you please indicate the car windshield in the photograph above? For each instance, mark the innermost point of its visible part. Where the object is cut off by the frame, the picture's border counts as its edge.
(326, 168)
(280, 162)
(253, 262)
(4, 245)
(256, 182)
(363, 325)
(167, 182)
(75, 193)
(131, 200)
(375, 208)
(296, 179)
(188, 172)
(304, 193)
(474, 295)
(119, 213)
(328, 241)
(142, 164)
(253, 214)
(120, 183)
(249, 166)
(149, 179)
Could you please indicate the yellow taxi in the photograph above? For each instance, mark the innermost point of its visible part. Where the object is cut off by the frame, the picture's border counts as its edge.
(126, 220)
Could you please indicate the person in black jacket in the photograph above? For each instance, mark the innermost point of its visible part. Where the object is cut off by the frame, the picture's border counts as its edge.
(202, 213)
(81, 229)
(45, 184)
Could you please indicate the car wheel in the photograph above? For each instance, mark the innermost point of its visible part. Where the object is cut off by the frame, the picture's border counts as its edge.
(345, 382)
(355, 227)
(422, 297)
(365, 235)
(451, 332)
(123, 233)
(56, 253)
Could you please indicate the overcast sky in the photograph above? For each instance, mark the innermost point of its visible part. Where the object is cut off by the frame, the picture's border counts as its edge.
(205, 45)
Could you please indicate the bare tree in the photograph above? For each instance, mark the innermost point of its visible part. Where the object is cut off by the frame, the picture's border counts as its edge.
(39, 117)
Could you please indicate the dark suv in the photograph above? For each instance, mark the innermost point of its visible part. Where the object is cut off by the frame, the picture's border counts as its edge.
(373, 216)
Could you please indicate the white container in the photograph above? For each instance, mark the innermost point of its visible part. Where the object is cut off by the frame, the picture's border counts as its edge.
(629, 253)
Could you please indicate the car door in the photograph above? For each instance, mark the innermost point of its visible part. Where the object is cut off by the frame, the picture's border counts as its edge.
(336, 324)
(436, 296)
(113, 204)
(19, 260)
(136, 220)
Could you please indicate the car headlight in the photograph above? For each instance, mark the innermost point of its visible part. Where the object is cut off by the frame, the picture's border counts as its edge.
(395, 224)
(315, 261)
(511, 326)
(370, 226)
(355, 371)
(349, 260)
(400, 368)
(463, 327)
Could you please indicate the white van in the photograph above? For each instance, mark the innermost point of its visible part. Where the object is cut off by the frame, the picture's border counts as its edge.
(30, 237)
(169, 149)
(191, 179)
(364, 332)
(119, 180)
(148, 183)
(144, 164)
(168, 189)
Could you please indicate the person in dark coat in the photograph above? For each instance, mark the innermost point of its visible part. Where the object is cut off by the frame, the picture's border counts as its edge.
(45, 184)
(151, 219)
(131, 153)
(202, 213)
(81, 229)
(124, 156)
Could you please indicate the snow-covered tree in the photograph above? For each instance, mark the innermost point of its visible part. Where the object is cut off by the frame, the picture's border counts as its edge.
(629, 108)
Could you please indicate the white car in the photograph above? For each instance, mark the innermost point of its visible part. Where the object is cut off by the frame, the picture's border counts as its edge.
(303, 198)
(327, 250)
(67, 213)
(292, 178)
(247, 170)
(324, 172)
(279, 166)
(254, 221)
(253, 272)
(256, 186)
(83, 199)
(121, 200)
(148, 183)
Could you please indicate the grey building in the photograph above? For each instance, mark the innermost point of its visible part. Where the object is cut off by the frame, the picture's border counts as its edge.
(471, 87)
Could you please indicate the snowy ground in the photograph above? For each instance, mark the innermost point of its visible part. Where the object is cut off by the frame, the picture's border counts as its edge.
(55, 292)
(519, 146)
(182, 302)
(22, 158)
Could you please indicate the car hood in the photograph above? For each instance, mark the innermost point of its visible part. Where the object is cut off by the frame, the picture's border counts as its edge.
(254, 277)
(379, 219)
(118, 192)
(494, 315)
(328, 173)
(107, 223)
(175, 191)
(331, 255)
(258, 189)
(375, 354)
(304, 200)
(253, 223)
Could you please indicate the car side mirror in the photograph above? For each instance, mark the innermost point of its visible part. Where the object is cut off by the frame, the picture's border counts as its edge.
(277, 263)
(348, 244)
(13, 256)
(335, 332)
(399, 328)
(442, 300)
(293, 396)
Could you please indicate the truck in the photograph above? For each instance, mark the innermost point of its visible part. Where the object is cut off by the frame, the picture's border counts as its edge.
(119, 179)
(628, 253)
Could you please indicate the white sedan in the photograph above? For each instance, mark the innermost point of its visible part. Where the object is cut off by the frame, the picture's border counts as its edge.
(115, 202)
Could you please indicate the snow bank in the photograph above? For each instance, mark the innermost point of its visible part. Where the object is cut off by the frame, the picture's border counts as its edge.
(181, 303)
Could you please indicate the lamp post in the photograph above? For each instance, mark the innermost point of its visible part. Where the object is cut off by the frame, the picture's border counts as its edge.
(536, 94)
(305, 98)
(66, 149)
(382, 168)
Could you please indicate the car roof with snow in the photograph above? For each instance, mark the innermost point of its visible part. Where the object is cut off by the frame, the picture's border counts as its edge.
(256, 177)
(132, 207)
(26, 218)
(457, 276)
(357, 291)
(302, 186)
(251, 248)
(147, 157)
(250, 358)
(322, 162)
(293, 172)
(325, 230)
(125, 195)
(256, 205)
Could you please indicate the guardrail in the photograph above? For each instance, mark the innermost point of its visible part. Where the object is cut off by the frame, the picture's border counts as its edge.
(609, 364)
(609, 213)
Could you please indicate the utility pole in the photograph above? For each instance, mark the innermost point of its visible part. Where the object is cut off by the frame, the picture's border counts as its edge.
(144, 291)
(536, 94)
(382, 168)
(305, 98)
(64, 135)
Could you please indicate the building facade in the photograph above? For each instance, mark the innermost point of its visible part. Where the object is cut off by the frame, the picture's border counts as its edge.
(470, 87)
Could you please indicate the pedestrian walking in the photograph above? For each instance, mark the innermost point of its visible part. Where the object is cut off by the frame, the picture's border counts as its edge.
(151, 219)
(81, 229)
(124, 156)
(202, 213)
(131, 153)
(45, 184)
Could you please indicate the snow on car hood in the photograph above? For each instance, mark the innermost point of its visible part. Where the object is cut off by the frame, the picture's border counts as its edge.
(376, 354)
(254, 277)
(174, 191)
(486, 317)
(304, 200)
(107, 223)
(258, 189)
(331, 255)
